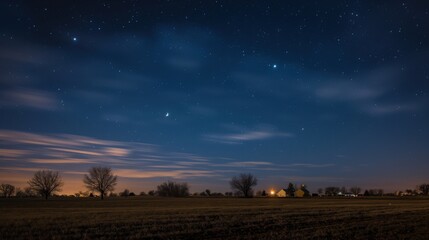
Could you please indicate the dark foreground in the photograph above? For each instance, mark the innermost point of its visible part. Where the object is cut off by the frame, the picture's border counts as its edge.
(206, 218)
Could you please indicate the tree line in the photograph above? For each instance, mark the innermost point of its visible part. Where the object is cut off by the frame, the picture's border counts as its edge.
(353, 191)
(101, 180)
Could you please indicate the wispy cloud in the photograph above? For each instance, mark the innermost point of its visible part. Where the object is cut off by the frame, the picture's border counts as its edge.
(27, 53)
(203, 111)
(72, 155)
(61, 161)
(306, 179)
(24, 169)
(13, 152)
(30, 98)
(363, 87)
(244, 164)
(77, 153)
(66, 146)
(250, 163)
(367, 92)
(177, 174)
(383, 109)
(311, 165)
(259, 133)
(183, 63)
(348, 91)
(117, 152)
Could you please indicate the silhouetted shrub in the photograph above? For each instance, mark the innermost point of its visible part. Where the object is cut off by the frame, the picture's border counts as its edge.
(173, 189)
(125, 193)
(7, 190)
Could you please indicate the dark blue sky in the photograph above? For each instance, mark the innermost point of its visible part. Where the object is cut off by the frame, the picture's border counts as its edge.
(312, 93)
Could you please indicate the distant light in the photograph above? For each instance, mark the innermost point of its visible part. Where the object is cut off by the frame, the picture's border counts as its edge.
(275, 66)
(75, 39)
(167, 114)
(272, 192)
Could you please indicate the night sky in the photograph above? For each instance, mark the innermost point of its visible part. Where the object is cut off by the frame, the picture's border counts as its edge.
(316, 92)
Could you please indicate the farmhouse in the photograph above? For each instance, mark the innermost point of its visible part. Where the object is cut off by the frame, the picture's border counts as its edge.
(299, 193)
(347, 194)
(302, 192)
(282, 193)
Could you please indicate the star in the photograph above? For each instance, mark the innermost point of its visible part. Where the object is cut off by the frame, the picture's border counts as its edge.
(275, 66)
(74, 39)
(167, 114)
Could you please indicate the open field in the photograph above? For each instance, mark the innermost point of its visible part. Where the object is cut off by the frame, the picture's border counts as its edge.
(214, 218)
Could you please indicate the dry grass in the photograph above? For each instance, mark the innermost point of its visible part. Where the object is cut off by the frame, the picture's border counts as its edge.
(215, 218)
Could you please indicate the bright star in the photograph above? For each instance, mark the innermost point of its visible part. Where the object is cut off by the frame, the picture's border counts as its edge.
(75, 39)
(167, 114)
(275, 66)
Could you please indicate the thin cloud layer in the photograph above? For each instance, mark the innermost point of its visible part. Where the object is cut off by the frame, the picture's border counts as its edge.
(25, 153)
(29, 98)
(57, 150)
(260, 133)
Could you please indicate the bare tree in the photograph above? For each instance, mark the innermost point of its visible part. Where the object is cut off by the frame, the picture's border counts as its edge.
(332, 191)
(355, 190)
(374, 192)
(46, 182)
(29, 192)
(208, 192)
(26, 192)
(125, 193)
(7, 190)
(100, 179)
(424, 188)
(244, 184)
(305, 190)
(173, 189)
(290, 190)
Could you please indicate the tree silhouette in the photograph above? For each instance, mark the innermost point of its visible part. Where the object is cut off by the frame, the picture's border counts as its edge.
(125, 193)
(244, 184)
(7, 190)
(424, 188)
(100, 179)
(290, 190)
(29, 192)
(306, 192)
(46, 183)
(355, 190)
(173, 189)
(332, 191)
(208, 192)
